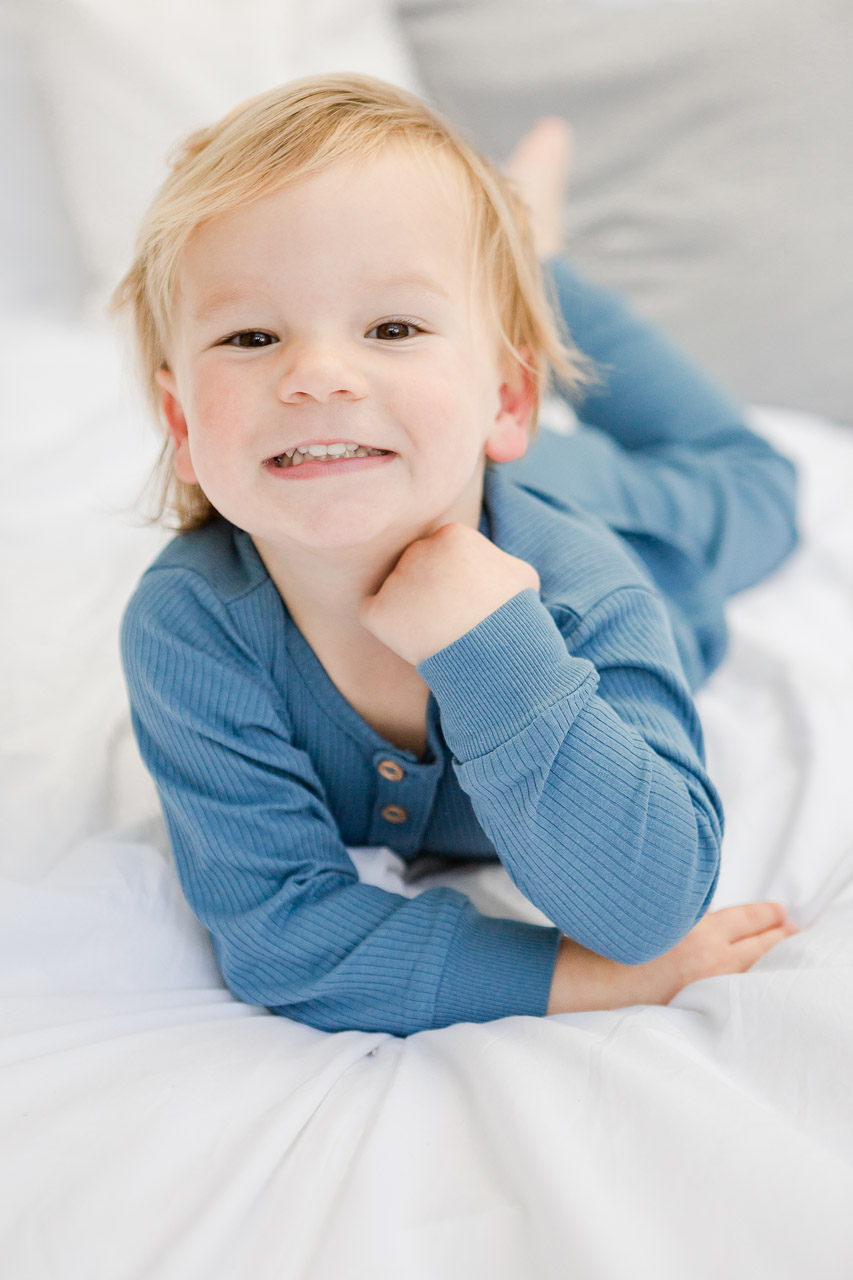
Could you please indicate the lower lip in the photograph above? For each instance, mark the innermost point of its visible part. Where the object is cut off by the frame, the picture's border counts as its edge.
(315, 470)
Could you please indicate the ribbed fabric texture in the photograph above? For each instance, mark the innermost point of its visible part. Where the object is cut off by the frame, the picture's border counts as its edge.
(562, 736)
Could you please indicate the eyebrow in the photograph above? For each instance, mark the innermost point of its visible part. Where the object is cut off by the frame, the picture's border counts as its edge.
(413, 279)
(216, 302)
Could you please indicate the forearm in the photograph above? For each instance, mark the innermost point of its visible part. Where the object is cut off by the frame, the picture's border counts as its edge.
(338, 954)
(613, 836)
(584, 981)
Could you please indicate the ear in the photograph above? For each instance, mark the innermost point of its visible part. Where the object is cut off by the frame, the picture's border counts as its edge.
(177, 423)
(508, 438)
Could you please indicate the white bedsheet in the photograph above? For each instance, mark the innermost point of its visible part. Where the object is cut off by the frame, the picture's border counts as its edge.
(153, 1127)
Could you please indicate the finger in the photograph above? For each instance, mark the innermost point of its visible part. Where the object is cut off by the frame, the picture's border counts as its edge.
(750, 918)
(749, 950)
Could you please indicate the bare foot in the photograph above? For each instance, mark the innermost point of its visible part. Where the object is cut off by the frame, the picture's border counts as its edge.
(539, 169)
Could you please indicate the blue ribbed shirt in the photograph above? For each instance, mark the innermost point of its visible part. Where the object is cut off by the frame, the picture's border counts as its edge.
(562, 738)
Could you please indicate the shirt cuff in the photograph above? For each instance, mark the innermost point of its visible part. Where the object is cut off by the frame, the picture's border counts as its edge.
(503, 674)
(496, 968)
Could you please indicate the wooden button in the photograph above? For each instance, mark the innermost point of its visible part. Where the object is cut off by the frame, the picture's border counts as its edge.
(391, 770)
(393, 813)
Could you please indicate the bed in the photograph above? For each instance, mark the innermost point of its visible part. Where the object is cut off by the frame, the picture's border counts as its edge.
(152, 1127)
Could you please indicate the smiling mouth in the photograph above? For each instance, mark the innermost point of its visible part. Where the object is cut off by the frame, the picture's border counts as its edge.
(323, 453)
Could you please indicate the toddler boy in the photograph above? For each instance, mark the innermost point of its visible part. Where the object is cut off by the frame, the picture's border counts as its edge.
(368, 633)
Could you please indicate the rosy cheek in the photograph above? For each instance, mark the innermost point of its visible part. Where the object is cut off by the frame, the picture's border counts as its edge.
(219, 405)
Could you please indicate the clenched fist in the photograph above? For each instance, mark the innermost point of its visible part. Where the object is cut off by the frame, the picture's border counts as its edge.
(441, 587)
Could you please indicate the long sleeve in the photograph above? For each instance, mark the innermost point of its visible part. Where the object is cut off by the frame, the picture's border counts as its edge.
(666, 459)
(260, 857)
(589, 780)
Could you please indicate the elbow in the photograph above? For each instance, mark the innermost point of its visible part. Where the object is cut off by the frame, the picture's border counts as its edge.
(254, 974)
(665, 919)
(317, 997)
(641, 950)
(247, 984)
(656, 942)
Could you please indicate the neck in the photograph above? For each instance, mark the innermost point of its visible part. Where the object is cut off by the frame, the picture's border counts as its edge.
(328, 587)
(323, 588)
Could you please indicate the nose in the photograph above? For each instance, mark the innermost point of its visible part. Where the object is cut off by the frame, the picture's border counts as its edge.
(321, 372)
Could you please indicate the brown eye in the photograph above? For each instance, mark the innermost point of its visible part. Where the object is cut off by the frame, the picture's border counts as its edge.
(249, 339)
(394, 330)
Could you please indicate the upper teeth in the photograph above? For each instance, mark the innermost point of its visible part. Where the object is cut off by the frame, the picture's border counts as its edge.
(339, 449)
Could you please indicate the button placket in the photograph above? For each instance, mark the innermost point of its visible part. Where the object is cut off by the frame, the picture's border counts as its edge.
(392, 771)
(404, 793)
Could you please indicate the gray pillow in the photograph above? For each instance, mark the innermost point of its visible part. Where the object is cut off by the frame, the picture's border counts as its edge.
(714, 168)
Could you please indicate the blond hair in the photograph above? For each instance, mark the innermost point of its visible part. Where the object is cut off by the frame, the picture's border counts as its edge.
(293, 132)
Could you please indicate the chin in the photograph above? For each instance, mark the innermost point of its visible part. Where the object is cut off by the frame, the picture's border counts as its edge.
(339, 533)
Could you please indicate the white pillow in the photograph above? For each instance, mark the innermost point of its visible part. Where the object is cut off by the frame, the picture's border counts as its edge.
(40, 266)
(74, 452)
(124, 81)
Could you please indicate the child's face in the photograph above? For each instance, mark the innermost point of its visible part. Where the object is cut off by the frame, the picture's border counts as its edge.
(341, 310)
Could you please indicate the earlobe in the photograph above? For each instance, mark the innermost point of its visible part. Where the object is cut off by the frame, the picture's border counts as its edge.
(507, 443)
(509, 438)
(177, 424)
